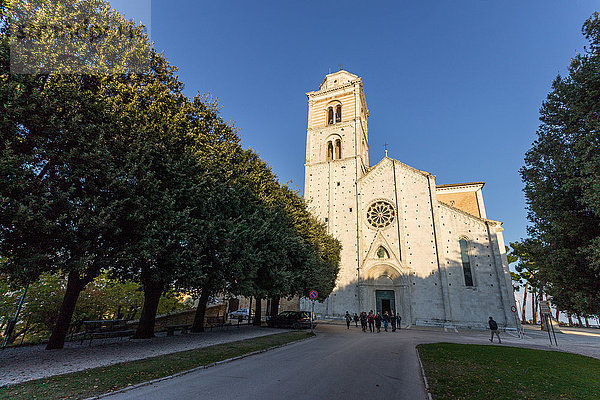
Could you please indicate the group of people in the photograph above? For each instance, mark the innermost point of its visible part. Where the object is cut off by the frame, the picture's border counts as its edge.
(374, 320)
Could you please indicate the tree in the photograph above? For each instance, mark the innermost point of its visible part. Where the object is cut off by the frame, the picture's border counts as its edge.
(526, 271)
(562, 183)
(102, 298)
(60, 164)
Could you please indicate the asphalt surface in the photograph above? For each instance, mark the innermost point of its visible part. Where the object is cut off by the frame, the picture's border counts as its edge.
(337, 364)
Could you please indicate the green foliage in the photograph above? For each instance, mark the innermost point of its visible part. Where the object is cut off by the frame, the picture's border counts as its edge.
(562, 183)
(74, 37)
(522, 253)
(124, 174)
(104, 298)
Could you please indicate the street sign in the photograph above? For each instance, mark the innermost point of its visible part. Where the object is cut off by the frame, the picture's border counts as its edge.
(513, 308)
(545, 308)
(313, 294)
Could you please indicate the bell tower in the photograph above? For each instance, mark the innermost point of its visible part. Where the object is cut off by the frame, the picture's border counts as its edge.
(337, 146)
(337, 156)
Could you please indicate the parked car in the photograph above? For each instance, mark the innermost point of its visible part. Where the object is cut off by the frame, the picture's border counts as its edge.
(291, 319)
(242, 313)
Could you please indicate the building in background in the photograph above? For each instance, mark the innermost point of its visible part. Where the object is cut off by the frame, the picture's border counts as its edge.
(425, 251)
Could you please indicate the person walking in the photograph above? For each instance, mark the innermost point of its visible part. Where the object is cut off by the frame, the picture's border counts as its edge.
(494, 329)
(399, 321)
(386, 320)
(356, 319)
(363, 321)
(348, 319)
(393, 320)
(378, 322)
(371, 319)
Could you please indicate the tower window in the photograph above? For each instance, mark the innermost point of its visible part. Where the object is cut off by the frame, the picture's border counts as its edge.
(329, 151)
(338, 149)
(330, 116)
(466, 263)
(338, 113)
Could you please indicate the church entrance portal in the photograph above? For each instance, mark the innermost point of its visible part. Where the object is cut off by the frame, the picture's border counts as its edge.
(385, 300)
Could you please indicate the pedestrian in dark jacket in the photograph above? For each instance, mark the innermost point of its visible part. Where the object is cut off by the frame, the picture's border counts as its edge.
(399, 321)
(494, 329)
(386, 320)
(371, 319)
(356, 319)
(393, 321)
(378, 322)
(348, 319)
(363, 321)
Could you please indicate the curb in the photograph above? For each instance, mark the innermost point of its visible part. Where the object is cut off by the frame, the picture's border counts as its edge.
(137, 385)
(423, 374)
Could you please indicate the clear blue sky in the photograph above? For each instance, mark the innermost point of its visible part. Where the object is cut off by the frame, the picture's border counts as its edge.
(454, 88)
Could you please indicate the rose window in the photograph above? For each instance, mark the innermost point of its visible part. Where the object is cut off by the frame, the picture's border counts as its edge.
(380, 214)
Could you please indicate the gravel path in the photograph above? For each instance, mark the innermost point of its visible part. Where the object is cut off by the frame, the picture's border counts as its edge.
(34, 362)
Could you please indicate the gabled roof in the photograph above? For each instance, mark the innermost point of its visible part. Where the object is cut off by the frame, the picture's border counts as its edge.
(466, 187)
(380, 163)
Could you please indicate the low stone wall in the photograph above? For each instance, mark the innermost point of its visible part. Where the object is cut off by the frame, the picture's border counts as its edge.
(183, 317)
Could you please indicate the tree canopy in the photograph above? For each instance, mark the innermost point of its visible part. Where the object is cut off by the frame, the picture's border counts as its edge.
(121, 175)
(562, 183)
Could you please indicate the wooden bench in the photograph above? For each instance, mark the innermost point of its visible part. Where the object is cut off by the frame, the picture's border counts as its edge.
(184, 328)
(105, 329)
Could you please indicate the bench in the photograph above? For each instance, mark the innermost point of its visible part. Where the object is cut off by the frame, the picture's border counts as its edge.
(105, 329)
(184, 328)
(216, 322)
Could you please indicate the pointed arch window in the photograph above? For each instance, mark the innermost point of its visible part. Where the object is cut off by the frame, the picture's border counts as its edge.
(338, 149)
(330, 116)
(338, 113)
(382, 253)
(466, 262)
(329, 151)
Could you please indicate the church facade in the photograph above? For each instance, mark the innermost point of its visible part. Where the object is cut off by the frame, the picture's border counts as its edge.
(425, 251)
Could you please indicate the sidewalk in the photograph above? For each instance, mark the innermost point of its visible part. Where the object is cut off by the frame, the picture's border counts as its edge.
(33, 362)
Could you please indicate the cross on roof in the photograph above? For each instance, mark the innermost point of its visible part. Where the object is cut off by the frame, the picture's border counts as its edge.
(386, 148)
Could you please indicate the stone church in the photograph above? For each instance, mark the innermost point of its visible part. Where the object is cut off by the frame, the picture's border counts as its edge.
(424, 250)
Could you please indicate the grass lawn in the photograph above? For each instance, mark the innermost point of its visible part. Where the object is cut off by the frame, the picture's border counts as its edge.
(106, 379)
(460, 371)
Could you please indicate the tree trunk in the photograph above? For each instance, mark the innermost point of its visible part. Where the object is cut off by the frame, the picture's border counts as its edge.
(198, 325)
(274, 306)
(152, 292)
(580, 323)
(74, 287)
(250, 311)
(557, 315)
(534, 306)
(523, 319)
(258, 312)
(570, 319)
(587, 323)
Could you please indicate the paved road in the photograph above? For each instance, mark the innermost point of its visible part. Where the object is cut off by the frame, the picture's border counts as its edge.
(337, 364)
(341, 364)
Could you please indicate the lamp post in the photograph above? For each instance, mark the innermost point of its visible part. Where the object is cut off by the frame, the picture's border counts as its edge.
(12, 323)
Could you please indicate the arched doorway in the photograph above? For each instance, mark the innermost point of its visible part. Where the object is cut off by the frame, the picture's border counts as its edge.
(385, 301)
(386, 288)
